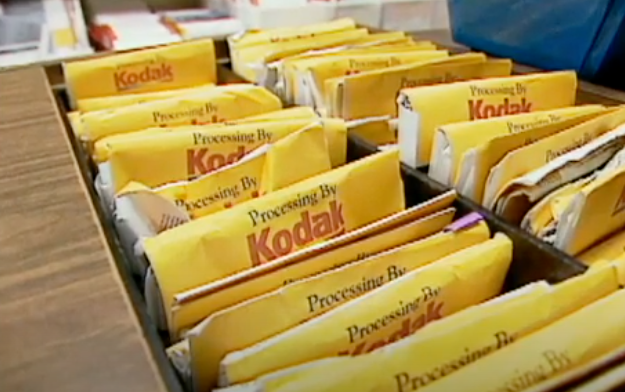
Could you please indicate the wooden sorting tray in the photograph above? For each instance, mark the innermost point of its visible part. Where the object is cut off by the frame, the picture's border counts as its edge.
(532, 260)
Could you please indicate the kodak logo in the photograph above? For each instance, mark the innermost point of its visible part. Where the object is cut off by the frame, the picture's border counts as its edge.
(127, 79)
(480, 110)
(269, 245)
(201, 161)
(409, 326)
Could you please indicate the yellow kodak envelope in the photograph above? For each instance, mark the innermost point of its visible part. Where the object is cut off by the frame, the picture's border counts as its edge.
(293, 70)
(420, 111)
(593, 213)
(282, 309)
(408, 225)
(282, 73)
(552, 153)
(476, 163)
(118, 101)
(606, 250)
(569, 342)
(101, 149)
(168, 67)
(382, 316)
(258, 173)
(332, 67)
(375, 130)
(259, 37)
(296, 112)
(514, 200)
(619, 266)
(451, 141)
(458, 340)
(264, 229)
(250, 61)
(218, 104)
(209, 344)
(542, 218)
(75, 122)
(187, 154)
(345, 96)
(271, 72)
(602, 374)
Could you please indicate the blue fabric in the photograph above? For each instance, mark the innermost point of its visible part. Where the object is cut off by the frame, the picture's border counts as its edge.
(584, 35)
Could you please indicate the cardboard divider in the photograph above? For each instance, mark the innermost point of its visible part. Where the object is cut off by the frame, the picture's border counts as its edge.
(532, 259)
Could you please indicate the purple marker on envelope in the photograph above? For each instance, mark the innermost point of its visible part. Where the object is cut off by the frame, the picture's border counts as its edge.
(465, 222)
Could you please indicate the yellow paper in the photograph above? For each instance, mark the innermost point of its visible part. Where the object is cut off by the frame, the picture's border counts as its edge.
(533, 156)
(382, 316)
(594, 213)
(251, 177)
(605, 251)
(569, 342)
(459, 340)
(215, 105)
(346, 96)
(101, 149)
(420, 111)
(75, 122)
(332, 67)
(416, 222)
(477, 162)
(169, 67)
(296, 112)
(293, 69)
(118, 101)
(259, 37)
(451, 141)
(280, 310)
(261, 230)
(602, 374)
(247, 61)
(544, 216)
(187, 154)
(377, 130)
(209, 341)
(276, 70)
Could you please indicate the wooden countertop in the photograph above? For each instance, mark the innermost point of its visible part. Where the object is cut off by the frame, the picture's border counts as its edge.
(65, 322)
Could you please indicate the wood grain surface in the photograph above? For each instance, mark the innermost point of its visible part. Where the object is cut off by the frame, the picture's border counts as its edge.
(65, 322)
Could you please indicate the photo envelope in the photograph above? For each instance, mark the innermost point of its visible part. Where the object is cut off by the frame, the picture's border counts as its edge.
(521, 193)
(451, 141)
(182, 65)
(215, 105)
(150, 211)
(349, 96)
(416, 222)
(295, 303)
(263, 229)
(569, 342)
(458, 340)
(333, 67)
(476, 163)
(547, 152)
(419, 297)
(249, 39)
(420, 111)
(293, 75)
(594, 213)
